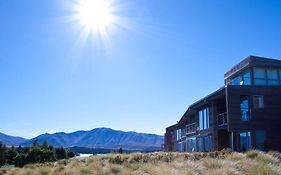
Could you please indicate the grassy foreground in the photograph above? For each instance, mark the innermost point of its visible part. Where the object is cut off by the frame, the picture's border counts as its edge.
(214, 163)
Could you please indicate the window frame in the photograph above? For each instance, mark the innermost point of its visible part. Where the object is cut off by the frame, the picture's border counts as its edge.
(258, 97)
(267, 80)
(204, 118)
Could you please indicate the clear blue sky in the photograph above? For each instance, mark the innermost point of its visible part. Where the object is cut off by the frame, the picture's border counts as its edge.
(163, 57)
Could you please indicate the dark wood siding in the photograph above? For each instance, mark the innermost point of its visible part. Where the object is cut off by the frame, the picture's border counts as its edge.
(267, 119)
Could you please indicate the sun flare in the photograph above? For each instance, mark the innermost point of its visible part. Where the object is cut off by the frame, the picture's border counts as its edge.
(95, 15)
(97, 22)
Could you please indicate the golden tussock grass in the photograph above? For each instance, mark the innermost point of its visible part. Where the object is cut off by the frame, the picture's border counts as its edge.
(162, 163)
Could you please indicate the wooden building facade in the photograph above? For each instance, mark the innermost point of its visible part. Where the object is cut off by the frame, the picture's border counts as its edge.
(244, 114)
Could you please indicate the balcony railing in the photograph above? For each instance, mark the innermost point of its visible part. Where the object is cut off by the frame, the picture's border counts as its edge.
(222, 119)
(188, 129)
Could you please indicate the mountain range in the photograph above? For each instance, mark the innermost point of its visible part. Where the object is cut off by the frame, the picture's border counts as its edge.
(11, 140)
(97, 138)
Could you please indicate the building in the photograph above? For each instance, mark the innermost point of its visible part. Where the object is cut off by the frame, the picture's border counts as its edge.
(244, 114)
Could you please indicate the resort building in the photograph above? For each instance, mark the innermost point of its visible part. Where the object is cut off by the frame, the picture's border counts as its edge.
(244, 114)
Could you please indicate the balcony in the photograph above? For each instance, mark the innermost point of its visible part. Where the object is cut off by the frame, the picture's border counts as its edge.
(222, 119)
(188, 129)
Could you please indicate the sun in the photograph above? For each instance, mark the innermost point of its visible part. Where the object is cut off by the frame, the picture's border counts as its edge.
(96, 23)
(95, 15)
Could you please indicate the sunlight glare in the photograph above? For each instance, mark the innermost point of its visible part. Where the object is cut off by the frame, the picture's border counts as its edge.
(95, 15)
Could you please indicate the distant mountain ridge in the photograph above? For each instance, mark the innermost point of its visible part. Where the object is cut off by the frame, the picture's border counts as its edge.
(11, 140)
(100, 138)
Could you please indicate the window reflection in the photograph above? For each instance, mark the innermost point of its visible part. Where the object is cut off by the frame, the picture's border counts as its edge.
(245, 141)
(242, 79)
(204, 119)
(264, 76)
(244, 107)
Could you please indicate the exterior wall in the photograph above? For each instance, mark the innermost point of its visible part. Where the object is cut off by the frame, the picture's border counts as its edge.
(267, 119)
(170, 138)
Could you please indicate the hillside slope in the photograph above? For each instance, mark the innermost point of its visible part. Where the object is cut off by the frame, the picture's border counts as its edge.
(11, 140)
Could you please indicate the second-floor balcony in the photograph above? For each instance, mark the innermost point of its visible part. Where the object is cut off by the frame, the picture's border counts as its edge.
(189, 129)
(222, 119)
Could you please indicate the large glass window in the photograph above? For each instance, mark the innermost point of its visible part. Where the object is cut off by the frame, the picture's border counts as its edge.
(247, 78)
(204, 119)
(272, 77)
(245, 141)
(201, 119)
(178, 134)
(205, 143)
(208, 143)
(237, 81)
(264, 76)
(244, 107)
(260, 76)
(191, 144)
(242, 79)
(260, 139)
(200, 144)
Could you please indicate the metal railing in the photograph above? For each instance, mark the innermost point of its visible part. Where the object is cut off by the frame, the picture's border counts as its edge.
(188, 129)
(222, 119)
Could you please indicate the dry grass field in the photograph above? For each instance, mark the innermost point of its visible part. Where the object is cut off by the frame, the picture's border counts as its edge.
(214, 163)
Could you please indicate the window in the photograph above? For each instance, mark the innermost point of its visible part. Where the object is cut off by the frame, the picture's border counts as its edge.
(204, 119)
(178, 134)
(247, 78)
(205, 143)
(266, 76)
(244, 107)
(208, 143)
(191, 144)
(259, 76)
(258, 101)
(200, 144)
(272, 77)
(242, 79)
(237, 81)
(201, 124)
(260, 139)
(245, 141)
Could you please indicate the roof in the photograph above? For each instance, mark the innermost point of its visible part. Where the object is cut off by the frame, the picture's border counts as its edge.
(214, 94)
(253, 61)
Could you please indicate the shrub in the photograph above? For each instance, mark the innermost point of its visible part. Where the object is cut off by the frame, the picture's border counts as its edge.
(20, 160)
(252, 154)
(61, 153)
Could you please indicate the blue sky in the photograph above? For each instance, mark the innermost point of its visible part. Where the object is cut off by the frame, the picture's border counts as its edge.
(164, 56)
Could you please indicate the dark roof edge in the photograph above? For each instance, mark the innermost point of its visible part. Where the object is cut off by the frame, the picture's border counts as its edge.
(251, 59)
(202, 100)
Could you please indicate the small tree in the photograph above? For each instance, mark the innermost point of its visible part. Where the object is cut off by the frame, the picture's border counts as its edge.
(35, 143)
(45, 144)
(3, 153)
(120, 151)
(19, 150)
(34, 155)
(61, 153)
(51, 148)
(11, 155)
(47, 156)
(70, 154)
(20, 160)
